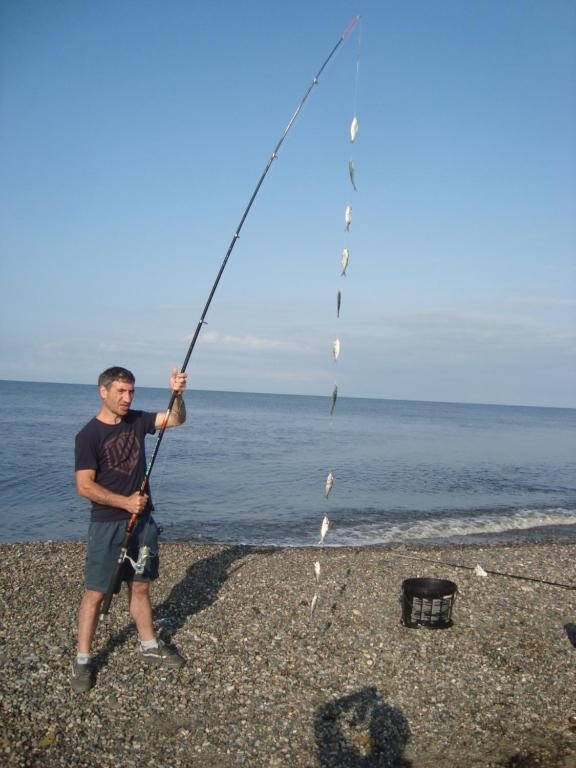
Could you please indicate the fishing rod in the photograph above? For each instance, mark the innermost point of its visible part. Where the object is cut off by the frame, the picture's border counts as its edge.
(492, 573)
(112, 588)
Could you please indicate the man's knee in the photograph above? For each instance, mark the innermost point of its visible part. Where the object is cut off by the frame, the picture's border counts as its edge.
(92, 597)
(139, 588)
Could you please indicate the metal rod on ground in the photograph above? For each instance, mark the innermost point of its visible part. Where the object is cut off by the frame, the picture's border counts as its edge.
(131, 523)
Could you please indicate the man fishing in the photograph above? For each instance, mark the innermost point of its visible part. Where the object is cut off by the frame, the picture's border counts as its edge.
(110, 465)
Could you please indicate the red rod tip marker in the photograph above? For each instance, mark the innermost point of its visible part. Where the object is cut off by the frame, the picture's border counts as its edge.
(350, 27)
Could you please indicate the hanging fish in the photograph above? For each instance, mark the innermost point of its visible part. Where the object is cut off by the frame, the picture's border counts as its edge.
(348, 217)
(317, 570)
(352, 173)
(354, 129)
(338, 303)
(327, 489)
(336, 349)
(313, 604)
(344, 259)
(324, 529)
(333, 399)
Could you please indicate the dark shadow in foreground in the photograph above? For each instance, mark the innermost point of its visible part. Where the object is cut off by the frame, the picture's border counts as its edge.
(361, 731)
(571, 632)
(197, 590)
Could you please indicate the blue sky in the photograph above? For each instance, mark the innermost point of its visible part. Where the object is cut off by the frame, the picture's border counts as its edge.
(133, 132)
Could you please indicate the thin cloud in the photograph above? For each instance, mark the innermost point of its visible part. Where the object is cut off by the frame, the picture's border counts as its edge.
(110, 349)
(247, 342)
(543, 302)
(452, 325)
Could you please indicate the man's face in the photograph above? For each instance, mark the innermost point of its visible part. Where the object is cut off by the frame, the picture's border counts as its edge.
(118, 397)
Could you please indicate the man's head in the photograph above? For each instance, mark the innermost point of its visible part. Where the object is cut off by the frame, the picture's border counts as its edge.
(116, 387)
(116, 373)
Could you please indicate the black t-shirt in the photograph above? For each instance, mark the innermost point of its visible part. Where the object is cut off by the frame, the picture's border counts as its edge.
(116, 453)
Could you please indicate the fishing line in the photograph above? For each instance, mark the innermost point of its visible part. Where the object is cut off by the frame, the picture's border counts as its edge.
(357, 75)
(202, 321)
(336, 344)
(351, 165)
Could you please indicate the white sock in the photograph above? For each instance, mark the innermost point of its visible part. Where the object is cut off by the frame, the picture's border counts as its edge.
(148, 645)
(83, 658)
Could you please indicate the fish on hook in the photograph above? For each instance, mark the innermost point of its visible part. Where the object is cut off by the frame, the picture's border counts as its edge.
(354, 129)
(333, 399)
(317, 570)
(338, 303)
(348, 217)
(352, 174)
(327, 488)
(324, 529)
(344, 259)
(313, 604)
(336, 349)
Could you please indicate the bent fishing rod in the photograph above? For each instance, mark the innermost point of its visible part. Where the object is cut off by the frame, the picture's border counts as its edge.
(114, 581)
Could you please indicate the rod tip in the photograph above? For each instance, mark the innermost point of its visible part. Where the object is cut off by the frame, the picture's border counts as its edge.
(350, 27)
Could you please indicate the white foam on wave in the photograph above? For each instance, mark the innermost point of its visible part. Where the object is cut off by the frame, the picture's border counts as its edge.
(477, 525)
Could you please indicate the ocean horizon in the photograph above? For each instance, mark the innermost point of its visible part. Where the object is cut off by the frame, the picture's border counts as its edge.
(141, 387)
(250, 468)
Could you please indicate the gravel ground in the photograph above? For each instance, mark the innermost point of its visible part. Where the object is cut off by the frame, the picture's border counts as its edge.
(265, 685)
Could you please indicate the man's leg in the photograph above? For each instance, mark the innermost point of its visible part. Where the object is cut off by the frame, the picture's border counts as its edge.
(88, 619)
(87, 622)
(141, 609)
(101, 557)
(154, 651)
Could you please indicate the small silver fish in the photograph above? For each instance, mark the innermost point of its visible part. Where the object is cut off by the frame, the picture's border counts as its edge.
(313, 604)
(317, 570)
(344, 259)
(327, 489)
(348, 217)
(324, 529)
(333, 400)
(336, 349)
(338, 303)
(352, 173)
(354, 129)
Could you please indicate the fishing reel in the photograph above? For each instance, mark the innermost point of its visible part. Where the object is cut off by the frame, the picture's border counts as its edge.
(144, 557)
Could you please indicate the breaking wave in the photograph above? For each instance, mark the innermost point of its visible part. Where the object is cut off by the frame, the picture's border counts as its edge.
(474, 528)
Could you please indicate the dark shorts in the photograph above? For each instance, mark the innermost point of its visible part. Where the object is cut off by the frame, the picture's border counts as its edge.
(104, 544)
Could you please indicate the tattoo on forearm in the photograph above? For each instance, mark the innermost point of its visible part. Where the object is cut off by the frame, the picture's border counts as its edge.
(179, 410)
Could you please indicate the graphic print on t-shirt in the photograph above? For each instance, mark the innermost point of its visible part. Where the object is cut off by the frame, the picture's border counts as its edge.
(122, 452)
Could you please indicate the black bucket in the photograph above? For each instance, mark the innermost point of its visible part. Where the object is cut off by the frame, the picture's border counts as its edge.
(428, 603)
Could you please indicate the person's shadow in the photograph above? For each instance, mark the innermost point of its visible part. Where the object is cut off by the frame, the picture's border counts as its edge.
(361, 731)
(570, 630)
(197, 590)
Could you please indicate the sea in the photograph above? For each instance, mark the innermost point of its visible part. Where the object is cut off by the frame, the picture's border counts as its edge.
(251, 469)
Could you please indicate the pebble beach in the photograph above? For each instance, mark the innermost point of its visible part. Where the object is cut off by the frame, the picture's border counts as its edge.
(266, 684)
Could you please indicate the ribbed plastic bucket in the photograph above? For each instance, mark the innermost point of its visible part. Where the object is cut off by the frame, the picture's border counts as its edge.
(428, 603)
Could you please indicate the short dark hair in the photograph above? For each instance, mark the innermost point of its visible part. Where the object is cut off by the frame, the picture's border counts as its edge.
(116, 373)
